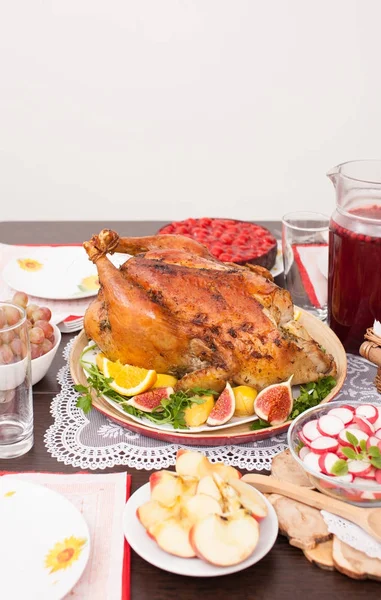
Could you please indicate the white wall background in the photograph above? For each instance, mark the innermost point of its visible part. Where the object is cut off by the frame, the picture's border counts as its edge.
(161, 109)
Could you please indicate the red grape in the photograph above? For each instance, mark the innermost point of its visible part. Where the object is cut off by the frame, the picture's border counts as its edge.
(35, 350)
(21, 299)
(46, 346)
(46, 328)
(36, 335)
(7, 336)
(6, 355)
(30, 310)
(12, 315)
(41, 314)
(18, 348)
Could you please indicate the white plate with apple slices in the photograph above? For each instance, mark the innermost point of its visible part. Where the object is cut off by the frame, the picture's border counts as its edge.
(188, 531)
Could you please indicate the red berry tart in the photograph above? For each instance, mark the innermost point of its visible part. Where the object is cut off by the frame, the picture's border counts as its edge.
(229, 240)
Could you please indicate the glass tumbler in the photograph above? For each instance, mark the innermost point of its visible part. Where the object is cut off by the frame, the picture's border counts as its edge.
(16, 405)
(305, 260)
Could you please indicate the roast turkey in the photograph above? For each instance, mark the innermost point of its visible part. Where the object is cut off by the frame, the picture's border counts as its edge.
(174, 308)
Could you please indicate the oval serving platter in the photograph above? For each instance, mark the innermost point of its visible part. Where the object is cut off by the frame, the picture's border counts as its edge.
(235, 434)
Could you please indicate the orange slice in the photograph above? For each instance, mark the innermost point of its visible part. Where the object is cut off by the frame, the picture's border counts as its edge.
(127, 379)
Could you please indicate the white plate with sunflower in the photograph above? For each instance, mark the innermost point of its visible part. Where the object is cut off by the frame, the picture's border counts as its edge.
(45, 542)
(55, 273)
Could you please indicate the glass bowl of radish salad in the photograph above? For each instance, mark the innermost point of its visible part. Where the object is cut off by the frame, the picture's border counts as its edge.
(339, 447)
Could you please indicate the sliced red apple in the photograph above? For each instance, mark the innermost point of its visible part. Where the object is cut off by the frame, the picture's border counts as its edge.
(166, 487)
(225, 541)
(208, 486)
(225, 471)
(172, 536)
(200, 506)
(191, 464)
(249, 498)
(152, 512)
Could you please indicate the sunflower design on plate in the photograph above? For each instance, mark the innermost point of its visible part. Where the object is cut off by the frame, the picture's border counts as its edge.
(89, 284)
(29, 264)
(64, 553)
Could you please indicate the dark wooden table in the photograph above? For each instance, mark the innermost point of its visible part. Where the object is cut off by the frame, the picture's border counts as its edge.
(284, 574)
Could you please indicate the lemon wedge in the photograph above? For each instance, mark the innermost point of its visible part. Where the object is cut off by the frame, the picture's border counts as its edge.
(165, 381)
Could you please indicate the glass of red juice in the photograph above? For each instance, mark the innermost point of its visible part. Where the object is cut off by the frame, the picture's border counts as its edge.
(354, 275)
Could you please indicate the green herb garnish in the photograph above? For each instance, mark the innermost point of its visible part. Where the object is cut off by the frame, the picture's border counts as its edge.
(171, 410)
(340, 467)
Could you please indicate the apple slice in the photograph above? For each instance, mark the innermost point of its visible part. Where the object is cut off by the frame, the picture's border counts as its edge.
(225, 471)
(172, 536)
(225, 541)
(152, 512)
(208, 486)
(249, 498)
(166, 487)
(200, 506)
(191, 464)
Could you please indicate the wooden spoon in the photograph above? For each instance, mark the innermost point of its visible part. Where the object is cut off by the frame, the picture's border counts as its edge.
(367, 518)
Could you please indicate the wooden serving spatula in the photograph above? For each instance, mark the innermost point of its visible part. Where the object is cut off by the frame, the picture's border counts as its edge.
(367, 518)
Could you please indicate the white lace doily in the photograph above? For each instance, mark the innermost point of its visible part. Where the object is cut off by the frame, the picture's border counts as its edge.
(95, 442)
(352, 535)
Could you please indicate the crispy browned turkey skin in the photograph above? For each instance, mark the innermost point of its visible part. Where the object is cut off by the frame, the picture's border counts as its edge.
(176, 309)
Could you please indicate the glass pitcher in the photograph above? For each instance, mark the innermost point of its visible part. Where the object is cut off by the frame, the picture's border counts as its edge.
(354, 276)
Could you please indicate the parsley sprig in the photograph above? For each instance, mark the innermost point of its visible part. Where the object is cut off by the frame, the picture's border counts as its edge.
(171, 410)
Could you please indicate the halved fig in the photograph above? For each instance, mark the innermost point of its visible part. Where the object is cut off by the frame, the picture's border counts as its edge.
(274, 403)
(223, 409)
(150, 400)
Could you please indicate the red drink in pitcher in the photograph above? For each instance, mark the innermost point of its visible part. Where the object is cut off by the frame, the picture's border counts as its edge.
(354, 279)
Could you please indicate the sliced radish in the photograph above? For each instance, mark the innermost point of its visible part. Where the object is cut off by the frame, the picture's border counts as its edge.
(310, 430)
(378, 433)
(377, 423)
(378, 475)
(330, 425)
(344, 414)
(358, 433)
(372, 441)
(311, 460)
(304, 439)
(348, 478)
(366, 482)
(326, 462)
(360, 468)
(368, 496)
(368, 411)
(303, 452)
(324, 444)
(370, 475)
(363, 424)
(340, 454)
(348, 406)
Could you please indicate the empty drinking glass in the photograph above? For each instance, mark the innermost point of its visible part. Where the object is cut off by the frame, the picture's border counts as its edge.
(305, 259)
(16, 406)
